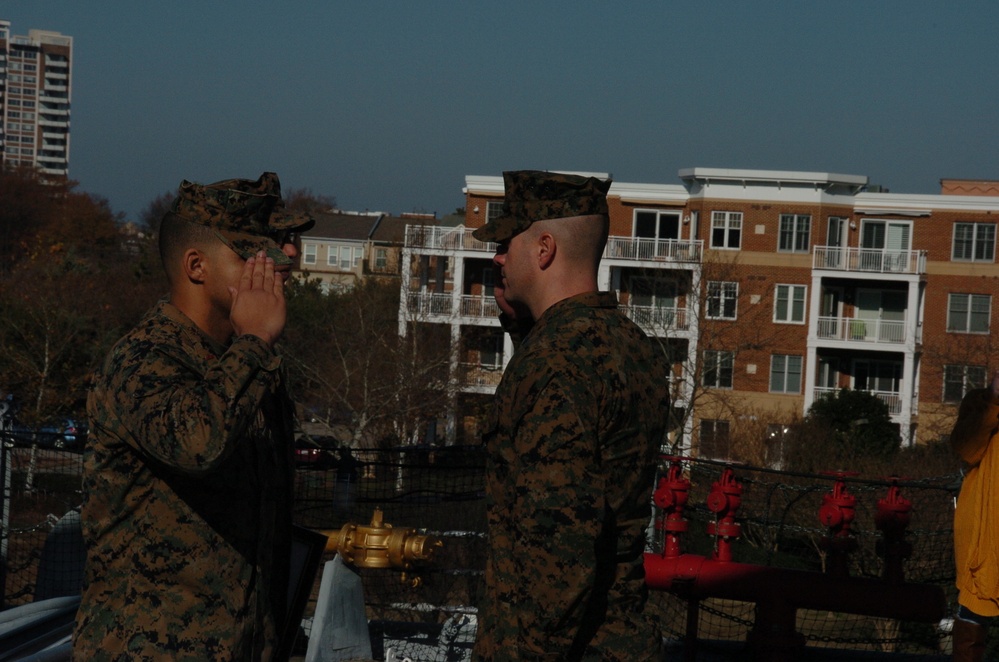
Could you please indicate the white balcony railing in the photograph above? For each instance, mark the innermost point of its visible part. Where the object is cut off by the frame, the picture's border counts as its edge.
(472, 306)
(659, 319)
(445, 238)
(423, 304)
(474, 374)
(871, 260)
(866, 330)
(661, 250)
(890, 398)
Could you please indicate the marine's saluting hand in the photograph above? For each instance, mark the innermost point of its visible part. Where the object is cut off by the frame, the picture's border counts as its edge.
(258, 305)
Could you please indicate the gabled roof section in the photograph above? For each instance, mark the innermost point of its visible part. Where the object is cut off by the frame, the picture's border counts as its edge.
(392, 229)
(345, 226)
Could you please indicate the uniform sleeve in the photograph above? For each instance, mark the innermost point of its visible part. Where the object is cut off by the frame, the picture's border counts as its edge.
(186, 421)
(977, 423)
(560, 512)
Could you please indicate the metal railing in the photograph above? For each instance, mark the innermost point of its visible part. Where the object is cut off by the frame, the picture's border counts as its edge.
(660, 319)
(890, 398)
(479, 306)
(427, 304)
(475, 374)
(668, 250)
(445, 238)
(866, 330)
(876, 260)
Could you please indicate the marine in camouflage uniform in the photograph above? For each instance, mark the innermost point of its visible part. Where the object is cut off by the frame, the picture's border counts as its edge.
(188, 473)
(580, 415)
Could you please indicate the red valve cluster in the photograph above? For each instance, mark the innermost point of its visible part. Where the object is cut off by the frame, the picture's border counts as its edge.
(670, 497)
(892, 519)
(780, 592)
(723, 501)
(837, 512)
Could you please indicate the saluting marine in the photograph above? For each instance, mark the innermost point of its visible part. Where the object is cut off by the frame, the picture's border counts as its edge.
(188, 471)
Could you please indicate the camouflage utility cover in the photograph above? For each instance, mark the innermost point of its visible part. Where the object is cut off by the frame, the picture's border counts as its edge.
(187, 498)
(248, 215)
(538, 195)
(581, 414)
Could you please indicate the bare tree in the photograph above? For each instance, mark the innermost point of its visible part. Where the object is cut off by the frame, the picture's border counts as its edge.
(713, 323)
(350, 366)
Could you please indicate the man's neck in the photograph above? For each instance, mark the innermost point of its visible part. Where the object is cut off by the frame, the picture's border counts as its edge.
(560, 291)
(205, 317)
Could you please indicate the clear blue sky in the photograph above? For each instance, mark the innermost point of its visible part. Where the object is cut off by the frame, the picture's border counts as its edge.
(388, 105)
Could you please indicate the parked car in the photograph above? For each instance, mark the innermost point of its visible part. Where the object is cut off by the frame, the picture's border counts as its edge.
(63, 433)
(309, 454)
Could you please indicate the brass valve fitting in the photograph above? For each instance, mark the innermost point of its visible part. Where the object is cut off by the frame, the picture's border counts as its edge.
(378, 545)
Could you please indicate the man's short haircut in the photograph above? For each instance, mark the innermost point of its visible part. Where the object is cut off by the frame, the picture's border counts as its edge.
(582, 238)
(178, 235)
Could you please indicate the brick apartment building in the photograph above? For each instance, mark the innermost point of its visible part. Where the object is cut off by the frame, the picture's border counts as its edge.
(35, 86)
(345, 248)
(767, 290)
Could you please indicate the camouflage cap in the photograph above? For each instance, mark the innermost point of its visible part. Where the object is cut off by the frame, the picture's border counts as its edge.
(249, 216)
(538, 195)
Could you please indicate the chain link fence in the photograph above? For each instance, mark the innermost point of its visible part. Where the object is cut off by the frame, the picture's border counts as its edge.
(440, 491)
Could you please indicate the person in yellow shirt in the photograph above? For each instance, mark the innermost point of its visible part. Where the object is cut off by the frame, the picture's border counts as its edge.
(976, 529)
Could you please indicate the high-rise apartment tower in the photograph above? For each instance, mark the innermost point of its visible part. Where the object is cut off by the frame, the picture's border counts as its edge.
(35, 85)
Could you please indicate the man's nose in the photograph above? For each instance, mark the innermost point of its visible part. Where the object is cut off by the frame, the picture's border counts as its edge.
(290, 250)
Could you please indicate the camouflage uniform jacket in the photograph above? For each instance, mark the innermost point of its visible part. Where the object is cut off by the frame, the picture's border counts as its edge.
(187, 506)
(581, 413)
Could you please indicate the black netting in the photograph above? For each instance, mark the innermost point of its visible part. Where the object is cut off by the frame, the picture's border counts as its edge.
(428, 613)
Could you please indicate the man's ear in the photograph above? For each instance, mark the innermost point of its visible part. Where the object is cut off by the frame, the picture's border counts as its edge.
(546, 247)
(194, 265)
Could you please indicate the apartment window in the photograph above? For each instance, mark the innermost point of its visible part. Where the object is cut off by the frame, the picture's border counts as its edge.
(974, 242)
(726, 229)
(968, 313)
(789, 304)
(308, 253)
(959, 379)
(714, 438)
(650, 224)
(718, 368)
(722, 298)
(381, 258)
(785, 373)
(494, 209)
(491, 351)
(795, 230)
(345, 254)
